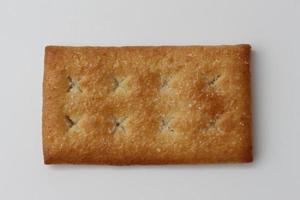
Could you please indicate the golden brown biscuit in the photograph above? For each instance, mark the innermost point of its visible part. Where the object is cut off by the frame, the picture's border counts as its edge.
(147, 105)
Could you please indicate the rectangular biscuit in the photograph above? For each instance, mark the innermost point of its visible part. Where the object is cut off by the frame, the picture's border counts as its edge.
(147, 105)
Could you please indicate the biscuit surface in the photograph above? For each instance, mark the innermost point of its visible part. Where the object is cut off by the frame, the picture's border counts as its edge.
(147, 105)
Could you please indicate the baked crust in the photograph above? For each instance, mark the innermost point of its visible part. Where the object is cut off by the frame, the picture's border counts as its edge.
(147, 105)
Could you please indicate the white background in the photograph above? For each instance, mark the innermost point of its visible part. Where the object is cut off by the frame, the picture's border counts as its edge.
(271, 27)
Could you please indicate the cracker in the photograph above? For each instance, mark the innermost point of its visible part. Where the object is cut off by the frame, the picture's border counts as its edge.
(147, 105)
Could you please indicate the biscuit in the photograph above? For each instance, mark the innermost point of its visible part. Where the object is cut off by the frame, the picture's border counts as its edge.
(147, 105)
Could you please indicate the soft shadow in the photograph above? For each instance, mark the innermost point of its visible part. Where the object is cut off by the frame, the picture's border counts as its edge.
(229, 166)
(256, 81)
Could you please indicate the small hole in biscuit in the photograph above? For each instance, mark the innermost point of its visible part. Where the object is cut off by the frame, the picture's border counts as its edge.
(165, 121)
(73, 84)
(211, 124)
(117, 83)
(164, 81)
(212, 81)
(70, 123)
(118, 124)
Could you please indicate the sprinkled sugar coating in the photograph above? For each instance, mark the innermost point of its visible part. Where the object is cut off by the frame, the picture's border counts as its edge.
(147, 105)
